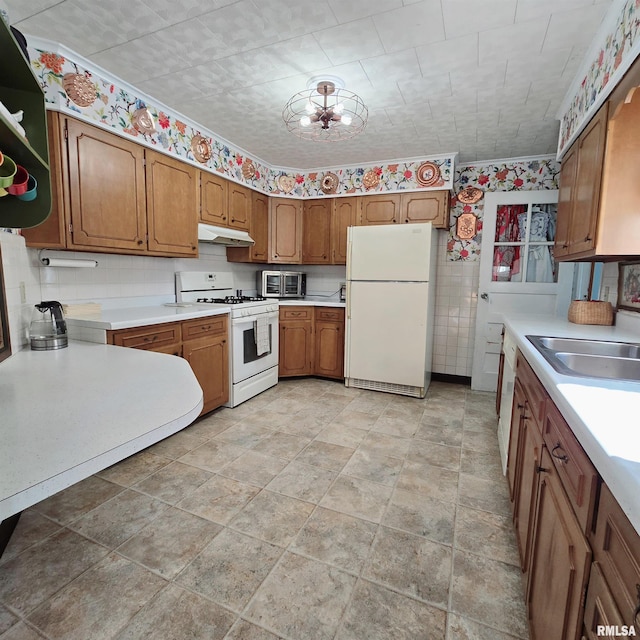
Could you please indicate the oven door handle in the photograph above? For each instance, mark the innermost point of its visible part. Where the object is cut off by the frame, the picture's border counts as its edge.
(247, 319)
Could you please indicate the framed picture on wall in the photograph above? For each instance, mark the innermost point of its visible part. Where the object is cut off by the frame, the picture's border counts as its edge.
(629, 286)
(5, 345)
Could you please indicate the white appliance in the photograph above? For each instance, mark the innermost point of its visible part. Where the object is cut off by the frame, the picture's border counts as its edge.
(506, 396)
(390, 304)
(254, 331)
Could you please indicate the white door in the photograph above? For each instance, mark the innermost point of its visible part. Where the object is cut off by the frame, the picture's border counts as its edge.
(518, 274)
(387, 332)
(389, 252)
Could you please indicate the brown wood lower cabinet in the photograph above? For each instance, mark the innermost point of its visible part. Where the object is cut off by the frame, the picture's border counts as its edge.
(616, 551)
(203, 342)
(559, 562)
(311, 342)
(561, 525)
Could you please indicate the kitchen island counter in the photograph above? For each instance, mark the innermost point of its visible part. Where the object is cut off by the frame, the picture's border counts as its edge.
(603, 414)
(69, 413)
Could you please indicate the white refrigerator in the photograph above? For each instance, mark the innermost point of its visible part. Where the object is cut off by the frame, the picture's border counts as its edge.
(390, 304)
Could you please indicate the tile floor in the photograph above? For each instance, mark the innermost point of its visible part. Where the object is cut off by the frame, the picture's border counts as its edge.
(311, 512)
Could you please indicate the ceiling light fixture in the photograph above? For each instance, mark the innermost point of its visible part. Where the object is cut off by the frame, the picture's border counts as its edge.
(325, 112)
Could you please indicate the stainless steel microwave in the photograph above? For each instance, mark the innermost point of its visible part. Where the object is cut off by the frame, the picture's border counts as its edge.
(282, 284)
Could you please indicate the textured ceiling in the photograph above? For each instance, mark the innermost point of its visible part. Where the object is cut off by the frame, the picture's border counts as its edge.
(484, 78)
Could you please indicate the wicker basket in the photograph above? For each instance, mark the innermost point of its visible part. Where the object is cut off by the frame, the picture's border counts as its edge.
(590, 312)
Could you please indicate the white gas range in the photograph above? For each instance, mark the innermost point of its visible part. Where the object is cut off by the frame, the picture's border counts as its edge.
(254, 330)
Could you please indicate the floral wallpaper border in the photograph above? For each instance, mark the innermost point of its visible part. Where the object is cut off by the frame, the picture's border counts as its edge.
(617, 47)
(116, 103)
(523, 175)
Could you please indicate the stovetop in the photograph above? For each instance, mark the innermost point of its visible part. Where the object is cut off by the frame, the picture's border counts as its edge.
(231, 300)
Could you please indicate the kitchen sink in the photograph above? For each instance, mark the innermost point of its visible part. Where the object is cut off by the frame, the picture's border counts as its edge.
(601, 366)
(588, 347)
(590, 358)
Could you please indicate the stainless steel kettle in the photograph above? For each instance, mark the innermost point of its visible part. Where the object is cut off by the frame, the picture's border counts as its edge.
(48, 328)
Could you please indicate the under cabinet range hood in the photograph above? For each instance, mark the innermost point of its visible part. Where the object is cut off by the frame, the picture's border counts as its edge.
(221, 235)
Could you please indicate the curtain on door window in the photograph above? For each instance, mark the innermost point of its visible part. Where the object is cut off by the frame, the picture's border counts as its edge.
(506, 259)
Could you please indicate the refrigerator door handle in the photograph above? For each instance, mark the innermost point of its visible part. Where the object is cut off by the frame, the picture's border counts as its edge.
(349, 249)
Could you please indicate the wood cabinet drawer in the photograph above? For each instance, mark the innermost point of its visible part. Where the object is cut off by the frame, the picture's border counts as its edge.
(208, 326)
(151, 337)
(578, 476)
(296, 313)
(535, 392)
(616, 548)
(329, 313)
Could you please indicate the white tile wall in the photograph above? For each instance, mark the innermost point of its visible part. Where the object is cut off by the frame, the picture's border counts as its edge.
(117, 281)
(455, 313)
(133, 280)
(22, 285)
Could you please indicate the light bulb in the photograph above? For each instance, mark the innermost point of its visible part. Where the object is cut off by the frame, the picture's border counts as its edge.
(339, 108)
(346, 120)
(305, 121)
(309, 108)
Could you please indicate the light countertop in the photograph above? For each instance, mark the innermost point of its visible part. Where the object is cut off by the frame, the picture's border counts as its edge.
(603, 414)
(128, 317)
(312, 301)
(69, 413)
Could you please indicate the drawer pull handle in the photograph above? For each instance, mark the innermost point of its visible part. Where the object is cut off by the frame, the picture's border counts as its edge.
(540, 469)
(563, 458)
(148, 339)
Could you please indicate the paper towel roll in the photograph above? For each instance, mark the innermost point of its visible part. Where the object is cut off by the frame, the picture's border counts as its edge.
(68, 262)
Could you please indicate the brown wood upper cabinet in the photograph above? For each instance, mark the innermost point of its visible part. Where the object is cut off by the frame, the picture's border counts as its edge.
(173, 198)
(285, 230)
(239, 206)
(345, 214)
(316, 231)
(599, 190)
(419, 206)
(105, 199)
(258, 230)
(213, 199)
(224, 203)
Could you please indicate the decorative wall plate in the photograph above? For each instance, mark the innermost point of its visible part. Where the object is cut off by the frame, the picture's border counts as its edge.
(371, 179)
(329, 182)
(470, 195)
(201, 148)
(466, 226)
(248, 169)
(143, 120)
(286, 183)
(427, 174)
(79, 88)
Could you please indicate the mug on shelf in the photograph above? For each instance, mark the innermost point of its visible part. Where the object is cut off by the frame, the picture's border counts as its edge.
(8, 170)
(20, 180)
(32, 190)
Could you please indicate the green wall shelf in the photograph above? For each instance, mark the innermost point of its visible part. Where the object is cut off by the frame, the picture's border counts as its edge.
(19, 90)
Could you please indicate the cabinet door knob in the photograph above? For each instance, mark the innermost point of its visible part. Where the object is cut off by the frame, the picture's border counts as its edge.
(140, 241)
(562, 457)
(587, 239)
(540, 469)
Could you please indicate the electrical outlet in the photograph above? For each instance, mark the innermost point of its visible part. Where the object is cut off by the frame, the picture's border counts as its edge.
(23, 293)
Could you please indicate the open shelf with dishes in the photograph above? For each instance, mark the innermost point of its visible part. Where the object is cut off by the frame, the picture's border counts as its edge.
(20, 91)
